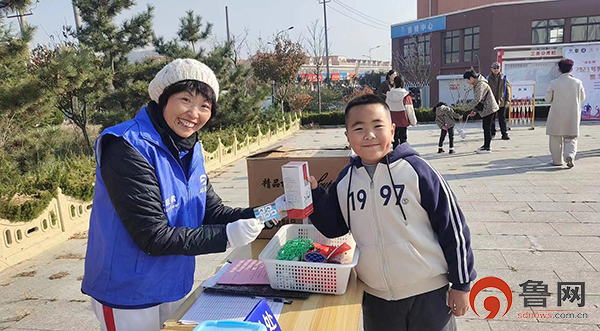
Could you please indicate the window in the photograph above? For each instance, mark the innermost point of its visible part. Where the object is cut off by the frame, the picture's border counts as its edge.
(471, 44)
(547, 31)
(585, 28)
(419, 46)
(452, 46)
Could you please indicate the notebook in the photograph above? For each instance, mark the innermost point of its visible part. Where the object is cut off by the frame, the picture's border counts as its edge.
(211, 306)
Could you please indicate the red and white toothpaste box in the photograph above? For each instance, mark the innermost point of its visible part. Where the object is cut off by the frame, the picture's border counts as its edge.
(297, 189)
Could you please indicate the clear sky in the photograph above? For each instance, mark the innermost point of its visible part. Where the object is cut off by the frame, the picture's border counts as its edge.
(262, 17)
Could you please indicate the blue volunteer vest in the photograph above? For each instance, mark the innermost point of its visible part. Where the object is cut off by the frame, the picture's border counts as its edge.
(116, 270)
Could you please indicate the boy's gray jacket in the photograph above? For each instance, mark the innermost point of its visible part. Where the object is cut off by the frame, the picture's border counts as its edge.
(412, 241)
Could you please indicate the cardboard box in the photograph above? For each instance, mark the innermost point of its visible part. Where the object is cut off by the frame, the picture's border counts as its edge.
(265, 179)
(297, 189)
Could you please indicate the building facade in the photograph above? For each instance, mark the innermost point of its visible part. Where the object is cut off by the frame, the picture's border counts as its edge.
(428, 8)
(452, 42)
(342, 68)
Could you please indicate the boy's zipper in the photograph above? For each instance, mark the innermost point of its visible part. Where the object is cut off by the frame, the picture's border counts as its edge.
(380, 249)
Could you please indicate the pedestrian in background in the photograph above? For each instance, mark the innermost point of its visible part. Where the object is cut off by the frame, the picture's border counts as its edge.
(387, 84)
(484, 104)
(565, 95)
(501, 89)
(401, 108)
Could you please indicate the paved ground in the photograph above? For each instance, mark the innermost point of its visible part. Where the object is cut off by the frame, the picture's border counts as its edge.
(529, 221)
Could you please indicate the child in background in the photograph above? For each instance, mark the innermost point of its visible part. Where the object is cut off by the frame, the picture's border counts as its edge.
(444, 118)
(412, 236)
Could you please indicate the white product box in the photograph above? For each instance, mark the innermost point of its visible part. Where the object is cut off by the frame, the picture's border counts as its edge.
(297, 189)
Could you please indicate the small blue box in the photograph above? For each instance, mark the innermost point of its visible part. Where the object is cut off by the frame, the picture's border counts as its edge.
(229, 326)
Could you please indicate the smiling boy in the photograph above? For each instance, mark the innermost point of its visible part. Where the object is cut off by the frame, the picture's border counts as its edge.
(412, 236)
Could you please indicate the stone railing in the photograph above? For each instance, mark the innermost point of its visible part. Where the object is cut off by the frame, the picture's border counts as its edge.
(66, 216)
(63, 217)
(227, 154)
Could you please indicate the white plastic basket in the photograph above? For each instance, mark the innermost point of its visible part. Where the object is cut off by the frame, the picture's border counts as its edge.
(329, 278)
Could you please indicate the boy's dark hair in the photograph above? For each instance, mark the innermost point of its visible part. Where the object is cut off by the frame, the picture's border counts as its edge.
(193, 87)
(391, 72)
(470, 73)
(399, 82)
(365, 99)
(565, 65)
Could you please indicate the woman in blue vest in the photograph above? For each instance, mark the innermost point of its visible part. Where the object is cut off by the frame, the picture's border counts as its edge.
(154, 207)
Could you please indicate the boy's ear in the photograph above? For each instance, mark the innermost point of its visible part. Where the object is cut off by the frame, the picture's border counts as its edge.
(346, 134)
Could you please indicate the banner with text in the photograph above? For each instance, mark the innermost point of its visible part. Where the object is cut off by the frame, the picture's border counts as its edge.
(587, 68)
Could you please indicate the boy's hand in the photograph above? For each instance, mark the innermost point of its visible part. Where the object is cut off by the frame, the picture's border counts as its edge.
(458, 301)
(313, 182)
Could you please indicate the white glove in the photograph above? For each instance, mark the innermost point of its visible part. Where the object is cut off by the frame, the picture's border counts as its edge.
(243, 232)
(282, 207)
(281, 203)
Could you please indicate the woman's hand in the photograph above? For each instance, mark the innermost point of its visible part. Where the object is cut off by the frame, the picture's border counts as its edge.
(282, 208)
(458, 301)
(243, 232)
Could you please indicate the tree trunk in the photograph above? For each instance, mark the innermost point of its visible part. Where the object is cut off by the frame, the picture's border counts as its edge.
(319, 93)
(111, 87)
(90, 150)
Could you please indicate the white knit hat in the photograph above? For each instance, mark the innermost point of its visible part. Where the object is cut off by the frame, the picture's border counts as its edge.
(182, 69)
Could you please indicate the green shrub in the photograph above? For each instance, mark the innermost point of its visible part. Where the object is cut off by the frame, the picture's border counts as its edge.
(330, 100)
(329, 118)
(34, 163)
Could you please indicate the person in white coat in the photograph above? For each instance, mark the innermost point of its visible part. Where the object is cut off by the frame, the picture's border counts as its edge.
(401, 108)
(565, 96)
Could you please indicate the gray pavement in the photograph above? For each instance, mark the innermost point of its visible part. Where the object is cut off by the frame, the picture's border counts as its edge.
(528, 221)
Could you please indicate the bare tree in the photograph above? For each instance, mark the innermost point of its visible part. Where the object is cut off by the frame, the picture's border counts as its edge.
(315, 47)
(459, 93)
(414, 61)
(238, 43)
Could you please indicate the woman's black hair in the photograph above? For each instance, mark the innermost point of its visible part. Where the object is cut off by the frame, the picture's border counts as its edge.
(193, 87)
(565, 65)
(399, 82)
(470, 73)
(391, 72)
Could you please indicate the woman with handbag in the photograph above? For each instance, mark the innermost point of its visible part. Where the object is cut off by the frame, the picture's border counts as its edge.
(483, 104)
(401, 109)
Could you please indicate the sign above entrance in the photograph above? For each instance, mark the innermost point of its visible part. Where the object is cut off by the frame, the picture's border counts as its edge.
(419, 27)
(533, 53)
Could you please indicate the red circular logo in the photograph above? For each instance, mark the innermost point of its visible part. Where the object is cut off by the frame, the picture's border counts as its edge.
(491, 303)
